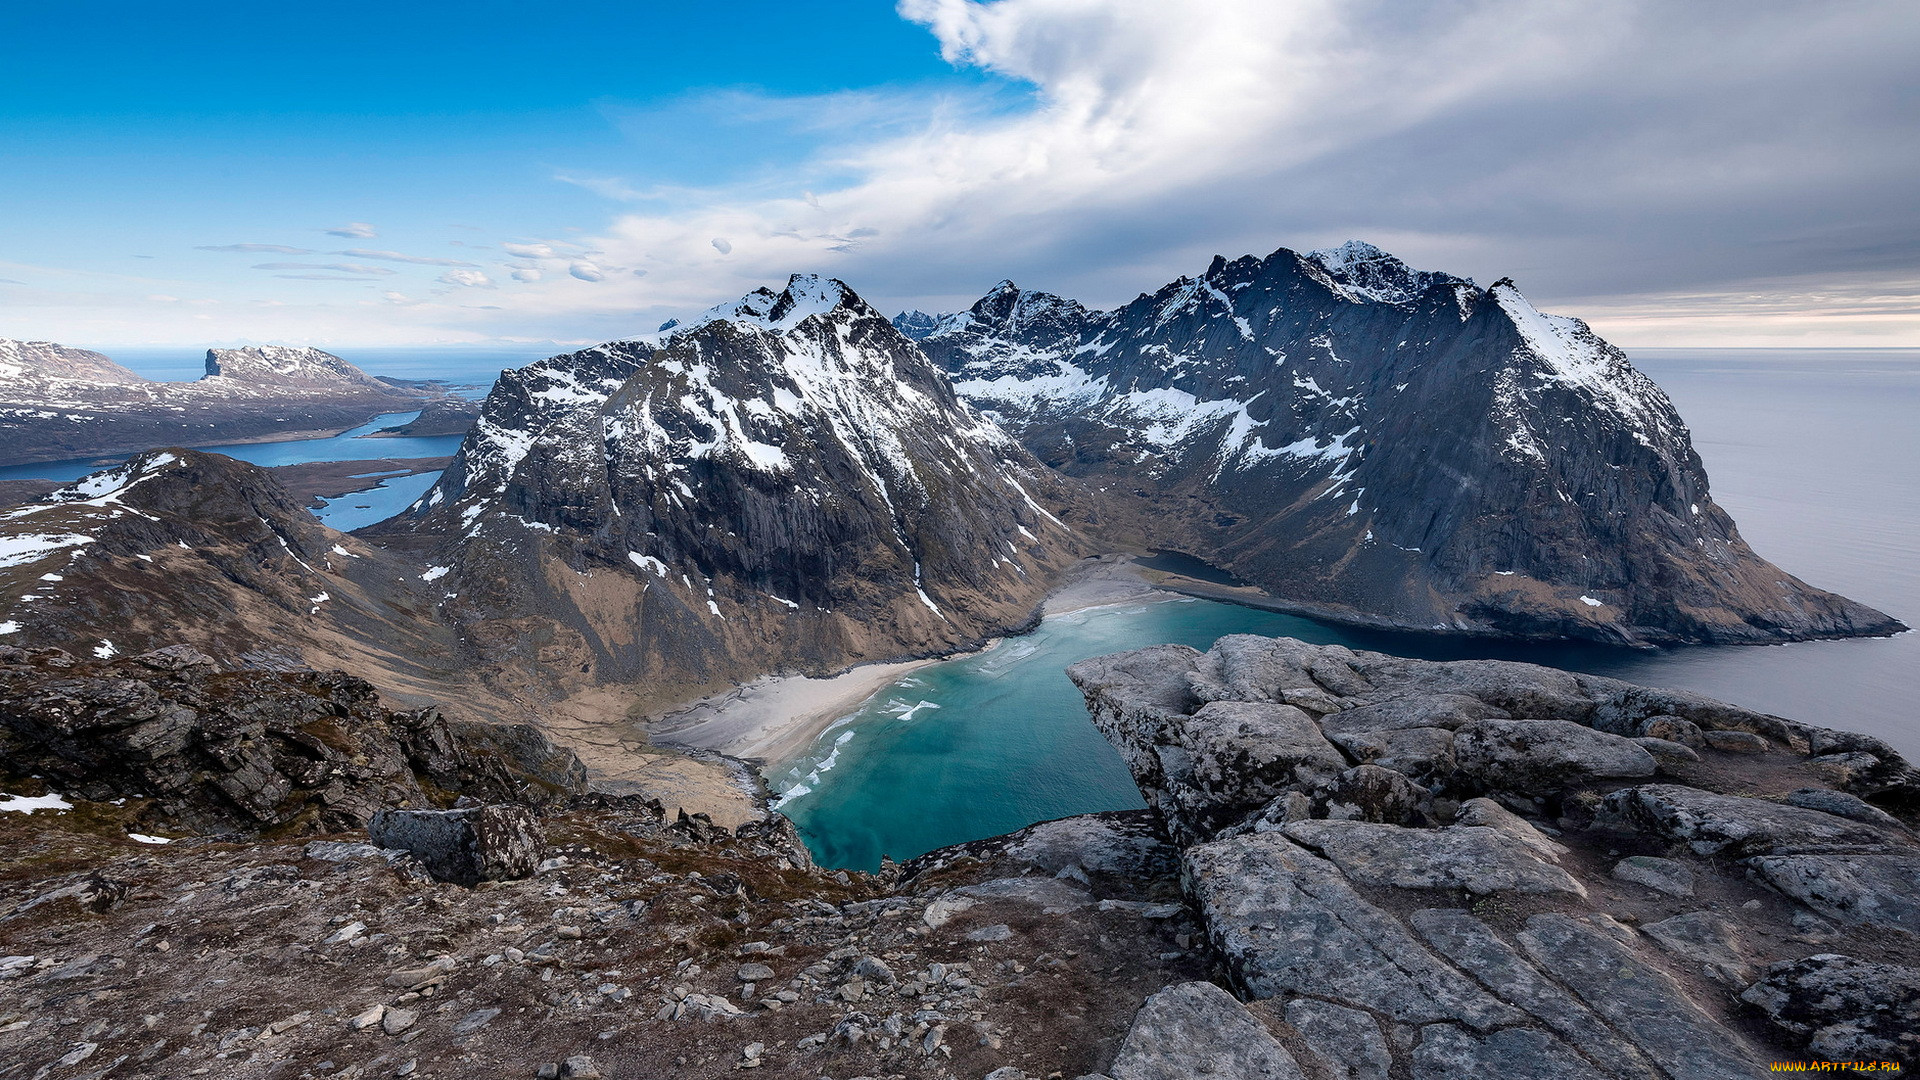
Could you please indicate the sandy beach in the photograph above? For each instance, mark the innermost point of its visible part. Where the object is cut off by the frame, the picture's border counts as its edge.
(774, 718)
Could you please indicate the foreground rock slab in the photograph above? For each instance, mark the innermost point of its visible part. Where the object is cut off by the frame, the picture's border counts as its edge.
(1504, 881)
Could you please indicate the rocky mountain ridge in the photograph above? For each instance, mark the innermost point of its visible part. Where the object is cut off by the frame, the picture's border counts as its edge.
(1379, 444)
(782, 483)
(60, 403)
(1424, 869)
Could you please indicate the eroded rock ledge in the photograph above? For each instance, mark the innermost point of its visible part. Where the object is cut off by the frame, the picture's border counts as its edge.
(1418, 869)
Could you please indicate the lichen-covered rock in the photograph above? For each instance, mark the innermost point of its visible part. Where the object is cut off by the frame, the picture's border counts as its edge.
(1481, 860)
(464, 847)
(1540, 756)
(248, 750)
(1288, 922)
(1880, 888)
(1196, 1030)
(1710, 822)
(1845, 1009)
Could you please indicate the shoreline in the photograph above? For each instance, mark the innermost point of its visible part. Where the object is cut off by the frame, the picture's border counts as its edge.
(776, 717)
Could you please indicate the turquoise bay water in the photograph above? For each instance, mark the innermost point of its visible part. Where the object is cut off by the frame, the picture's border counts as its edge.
(1812, 451)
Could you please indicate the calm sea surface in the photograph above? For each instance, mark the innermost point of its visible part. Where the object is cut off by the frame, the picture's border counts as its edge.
(1816, 453)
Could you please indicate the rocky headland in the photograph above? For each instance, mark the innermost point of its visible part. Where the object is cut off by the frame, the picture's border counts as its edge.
(1353, 865)
(59, 403)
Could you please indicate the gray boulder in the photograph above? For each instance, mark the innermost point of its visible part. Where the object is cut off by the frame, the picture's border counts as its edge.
(1287, 922)
(1845, 1009)
(1483, 861)
(1737, 825)
(1421, 751)
(1875, 888)
(1660, 875)
(1372, 793)
(1194, 1030)
(464, 847)
(1346, 1041)
(1539, 756)
(1842, 804)
(1706, 939)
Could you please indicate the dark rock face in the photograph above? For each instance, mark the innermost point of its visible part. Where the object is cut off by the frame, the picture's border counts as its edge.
(58, 403)
(248, 751)
(1845, 1009)
(785, 481)
(1411, 920)
(464, 847)
(1382, 444)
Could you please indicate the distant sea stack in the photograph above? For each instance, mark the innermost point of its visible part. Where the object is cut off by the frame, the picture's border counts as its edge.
(59, 403)
(1384, 445)
(782, 483)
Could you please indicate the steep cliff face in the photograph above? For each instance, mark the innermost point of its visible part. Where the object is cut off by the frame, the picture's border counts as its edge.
(1379, 443)
(783, 482)
(308, 368)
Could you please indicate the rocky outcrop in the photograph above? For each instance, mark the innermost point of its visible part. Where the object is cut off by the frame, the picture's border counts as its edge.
(58, 403)
(1379, 444)
(467, 846)
(784, 482)
(204, 748)
(1544, 898)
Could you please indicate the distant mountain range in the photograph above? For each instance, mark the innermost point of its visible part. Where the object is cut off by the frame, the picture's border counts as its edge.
(793, 482)
(60, 403)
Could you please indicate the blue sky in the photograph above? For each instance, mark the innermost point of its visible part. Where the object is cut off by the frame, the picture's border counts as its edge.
(1681, 173)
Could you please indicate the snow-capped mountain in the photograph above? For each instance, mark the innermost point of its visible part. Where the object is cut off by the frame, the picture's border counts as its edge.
(281, 365)
(58, 402)
(1386, 444)
(785, 481)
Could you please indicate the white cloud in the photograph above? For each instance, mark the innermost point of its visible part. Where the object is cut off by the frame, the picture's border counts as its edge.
(527, 273)
(354, 230)
(271, 249)
(530, 251)
(586, 271)
(344, 268)
(394, 256)
(469, 278)
(1589, 149)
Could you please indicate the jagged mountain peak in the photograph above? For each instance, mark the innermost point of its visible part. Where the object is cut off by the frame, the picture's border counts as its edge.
(1363, 273)
(1373, 439)
(916, 324)
(764, 309)
(784, 477)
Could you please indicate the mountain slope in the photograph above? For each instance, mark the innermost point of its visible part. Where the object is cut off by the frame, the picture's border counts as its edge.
(178, 546)
(1382, 444)
(784, 482)
(60, 403)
